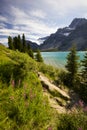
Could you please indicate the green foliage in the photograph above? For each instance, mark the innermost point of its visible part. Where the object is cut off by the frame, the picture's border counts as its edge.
(30, 52)
(73, 121)
(24, 49)
(24, 107)
(82, 90)
(22, 104)
(10, 43)
(84, 68)
(63, 77)
(20, 44)
(15, 43)
(38, 56)
(6, 70)
(17, 67)
(72, 66)
(49, 71)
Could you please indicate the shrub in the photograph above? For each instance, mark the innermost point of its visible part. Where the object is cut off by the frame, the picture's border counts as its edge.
(73, 121)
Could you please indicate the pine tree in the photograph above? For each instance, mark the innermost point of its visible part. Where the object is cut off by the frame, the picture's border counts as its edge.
(10, 43)
(30, 52)
(19, 43)
(72, 67)
(24, 49)
(28, 46)
(39, 57)
(15, 43)
(84, 68)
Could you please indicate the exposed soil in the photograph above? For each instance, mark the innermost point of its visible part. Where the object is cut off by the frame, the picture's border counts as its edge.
(59, 99)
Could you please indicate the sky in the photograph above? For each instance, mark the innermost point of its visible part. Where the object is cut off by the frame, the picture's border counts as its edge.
(37, 18)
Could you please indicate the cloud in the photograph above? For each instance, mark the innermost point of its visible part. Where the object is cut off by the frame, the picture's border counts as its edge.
(3, 19)
(38, 14)
(65, 4)
(38, 18)
(27, 24)
(5, 40)
(2, 25)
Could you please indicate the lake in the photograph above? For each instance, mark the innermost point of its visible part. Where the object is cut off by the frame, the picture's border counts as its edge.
(58, 59)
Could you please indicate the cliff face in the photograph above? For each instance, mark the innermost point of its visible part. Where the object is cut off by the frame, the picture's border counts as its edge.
(64, 38)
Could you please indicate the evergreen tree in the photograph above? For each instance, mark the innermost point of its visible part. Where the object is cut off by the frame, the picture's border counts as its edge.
(24, 49)
(15, 43)
(10, 43)
(30, 52)
(39, 57)
(84, 68)
(28, 46)
(72, 67)
(19, 43)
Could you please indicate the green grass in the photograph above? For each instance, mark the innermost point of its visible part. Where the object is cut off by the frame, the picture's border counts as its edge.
(22, 103)
(72, 121)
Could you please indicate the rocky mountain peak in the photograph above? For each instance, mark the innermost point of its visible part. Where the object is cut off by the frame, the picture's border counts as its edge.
(64, 38)
(77, 22)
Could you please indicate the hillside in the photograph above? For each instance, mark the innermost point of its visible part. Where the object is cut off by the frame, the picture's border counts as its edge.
(65, 37)
(21, 97)
(31, 99)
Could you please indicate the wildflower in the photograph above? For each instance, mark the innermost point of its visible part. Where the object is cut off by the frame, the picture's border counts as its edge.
(76, 104)
(80, 129)
(81, 103)
(85, 109)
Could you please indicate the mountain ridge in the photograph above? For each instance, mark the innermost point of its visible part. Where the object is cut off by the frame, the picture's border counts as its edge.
(64, 38)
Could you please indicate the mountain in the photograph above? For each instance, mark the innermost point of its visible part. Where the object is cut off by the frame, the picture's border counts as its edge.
(41, 40)
(77, 22)
(33, 45)
(64, 38)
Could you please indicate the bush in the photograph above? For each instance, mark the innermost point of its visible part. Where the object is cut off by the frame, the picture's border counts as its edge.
(17, 68)
(82, 90)
(49, 71)
(73, 121)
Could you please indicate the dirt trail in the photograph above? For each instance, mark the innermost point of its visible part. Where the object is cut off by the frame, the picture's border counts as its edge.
(52, 86)
(55, 101)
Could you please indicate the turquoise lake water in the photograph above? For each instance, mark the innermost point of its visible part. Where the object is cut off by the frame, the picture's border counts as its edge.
(58, 59)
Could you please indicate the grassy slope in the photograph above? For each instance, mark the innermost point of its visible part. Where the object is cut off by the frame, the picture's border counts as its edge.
(22, 103)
